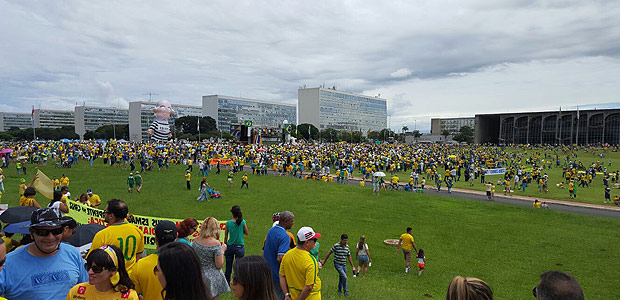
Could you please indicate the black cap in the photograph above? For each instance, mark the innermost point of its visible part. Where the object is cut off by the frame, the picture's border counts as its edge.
(46, 217)
(165, 232)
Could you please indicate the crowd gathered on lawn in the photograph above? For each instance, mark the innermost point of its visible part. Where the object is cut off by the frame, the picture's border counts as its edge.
(43, 266)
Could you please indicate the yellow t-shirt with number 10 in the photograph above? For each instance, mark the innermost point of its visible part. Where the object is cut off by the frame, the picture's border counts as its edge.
(128, 237)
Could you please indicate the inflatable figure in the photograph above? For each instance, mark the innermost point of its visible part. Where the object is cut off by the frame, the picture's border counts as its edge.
(160, 128)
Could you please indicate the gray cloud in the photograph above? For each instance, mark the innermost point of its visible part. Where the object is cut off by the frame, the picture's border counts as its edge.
(456, 54)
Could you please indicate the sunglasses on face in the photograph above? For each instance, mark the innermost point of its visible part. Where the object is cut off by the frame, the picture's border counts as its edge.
(96, 269)
(2, 262)
(46, 232)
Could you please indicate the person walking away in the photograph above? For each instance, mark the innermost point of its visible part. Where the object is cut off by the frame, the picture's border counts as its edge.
(236, 228)
(341, 254)
(210, 252)
(203, 190)
(299, 271)
(407, 243)
(363, 256)
(131, 182)
(138, 179)
(421, 261)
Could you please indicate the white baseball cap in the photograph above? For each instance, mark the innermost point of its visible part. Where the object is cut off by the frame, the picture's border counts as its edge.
(306, 233)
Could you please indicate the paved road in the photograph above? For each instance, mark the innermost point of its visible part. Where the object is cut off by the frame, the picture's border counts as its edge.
(573, 207)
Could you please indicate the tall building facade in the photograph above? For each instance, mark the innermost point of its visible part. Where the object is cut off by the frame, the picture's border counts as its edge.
(10, 120)
(141, 117)
(89, 118)
(47, 118)
(232, 111)
(600, 126)
(452, 125)
(329, 108)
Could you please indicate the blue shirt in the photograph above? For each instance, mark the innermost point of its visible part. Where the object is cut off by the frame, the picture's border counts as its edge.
(277, 243)
(28, 277)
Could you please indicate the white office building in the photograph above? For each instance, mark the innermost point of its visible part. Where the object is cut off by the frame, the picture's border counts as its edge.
(329, 108)
(230, 112)
(89, 118)
(10, 120)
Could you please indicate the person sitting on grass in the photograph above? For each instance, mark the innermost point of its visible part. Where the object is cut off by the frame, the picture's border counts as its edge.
(617, 200)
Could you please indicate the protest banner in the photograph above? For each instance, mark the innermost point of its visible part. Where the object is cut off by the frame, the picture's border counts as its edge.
(497, 171)
(88, 215)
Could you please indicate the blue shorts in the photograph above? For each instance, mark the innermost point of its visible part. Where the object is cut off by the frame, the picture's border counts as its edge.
(362, 258)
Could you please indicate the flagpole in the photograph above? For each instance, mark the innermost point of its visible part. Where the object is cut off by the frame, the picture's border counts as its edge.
(34, 131)
(577, 134)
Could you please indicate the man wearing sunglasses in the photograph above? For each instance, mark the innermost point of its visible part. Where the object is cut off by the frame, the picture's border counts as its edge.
(45, 268)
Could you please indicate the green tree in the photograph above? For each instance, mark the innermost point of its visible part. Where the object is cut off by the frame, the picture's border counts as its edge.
(188, 124)
(466, 134)
(304, 129)
(385, 134)
(445, 134)
(330, 135)
(405, 128)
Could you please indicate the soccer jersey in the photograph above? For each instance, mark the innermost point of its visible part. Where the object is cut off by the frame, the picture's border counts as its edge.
(138, 179)
(145, 280)
(64, 181)
(87, 291)
(300, 269)
(23, 201)
(94, 200)
(407, 241)
(188, 176)
(125, 236)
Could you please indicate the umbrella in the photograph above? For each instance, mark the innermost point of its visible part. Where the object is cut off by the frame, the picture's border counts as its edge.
(21, 157)
(21, 227)
(84, 234)
(123, 141)
(100, 141)
(17, 214)
(6, 151)
(379, 174)
(260, 150)
(160, 147)
(65, 140)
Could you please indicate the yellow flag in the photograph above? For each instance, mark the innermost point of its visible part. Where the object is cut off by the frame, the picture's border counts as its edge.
(44, 185)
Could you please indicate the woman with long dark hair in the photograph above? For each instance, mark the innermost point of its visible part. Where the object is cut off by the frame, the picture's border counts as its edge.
(58, 204)
(107, 277)
(178, 271)
(252, 279)
(233, 237)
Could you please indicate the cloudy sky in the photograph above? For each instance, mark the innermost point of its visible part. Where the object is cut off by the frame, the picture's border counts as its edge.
(429, 58)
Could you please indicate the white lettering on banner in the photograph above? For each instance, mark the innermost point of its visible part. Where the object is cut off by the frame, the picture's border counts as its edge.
(498, 171)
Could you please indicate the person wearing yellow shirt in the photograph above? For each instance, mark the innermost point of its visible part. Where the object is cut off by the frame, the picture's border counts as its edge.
(536, 204)
(299, 271)
(107, 278)
(395, 181)
(28, 198)
(188, 179)
(64, 180)
(406, 242)
(119, 233)
(147, 284)
(56, 183)
(93, 199)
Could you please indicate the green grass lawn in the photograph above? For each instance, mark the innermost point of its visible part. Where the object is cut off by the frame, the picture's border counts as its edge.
(507, 246)
(593, 194)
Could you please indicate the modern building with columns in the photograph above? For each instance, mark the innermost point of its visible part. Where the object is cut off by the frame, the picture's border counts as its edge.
(597, 126)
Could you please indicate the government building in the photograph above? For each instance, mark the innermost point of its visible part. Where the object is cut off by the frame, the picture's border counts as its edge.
(329, 108)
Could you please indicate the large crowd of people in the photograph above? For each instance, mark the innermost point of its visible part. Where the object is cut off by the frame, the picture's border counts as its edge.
(288, 268)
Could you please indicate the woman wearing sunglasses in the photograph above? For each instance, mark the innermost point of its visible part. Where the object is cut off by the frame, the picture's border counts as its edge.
(107, 277)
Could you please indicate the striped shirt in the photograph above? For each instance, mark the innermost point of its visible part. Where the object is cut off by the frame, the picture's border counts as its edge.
(161, 129)
(340, 253)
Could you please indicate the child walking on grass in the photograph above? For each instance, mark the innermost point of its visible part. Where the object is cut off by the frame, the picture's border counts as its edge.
(421, 261)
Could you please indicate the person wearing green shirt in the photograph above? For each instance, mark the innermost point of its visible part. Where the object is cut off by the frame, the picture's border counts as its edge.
(138, 179)
(131, 181)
